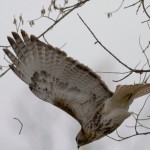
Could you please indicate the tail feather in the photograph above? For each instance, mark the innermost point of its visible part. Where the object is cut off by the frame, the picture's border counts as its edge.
(145, 89)
(136, 90)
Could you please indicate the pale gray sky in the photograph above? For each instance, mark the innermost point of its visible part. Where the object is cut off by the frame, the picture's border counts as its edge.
(49, 128)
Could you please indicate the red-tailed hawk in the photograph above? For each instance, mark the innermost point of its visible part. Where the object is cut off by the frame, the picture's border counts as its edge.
(71, 86)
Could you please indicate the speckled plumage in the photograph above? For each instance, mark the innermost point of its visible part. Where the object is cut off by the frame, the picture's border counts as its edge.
(71, 86)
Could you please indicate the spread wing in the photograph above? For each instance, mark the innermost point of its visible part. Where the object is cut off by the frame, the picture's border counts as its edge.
(56, 78)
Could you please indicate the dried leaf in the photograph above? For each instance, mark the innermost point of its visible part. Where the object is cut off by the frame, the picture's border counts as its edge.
(50, 8)
(15, 21)
(109, 15)
(31, 23)
(22, 22)
(43, 11)
(52, 2)
(61, 10)
(66, 2)
(20, 18)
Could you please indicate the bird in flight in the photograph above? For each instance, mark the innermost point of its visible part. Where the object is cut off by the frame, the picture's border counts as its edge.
(64, 82)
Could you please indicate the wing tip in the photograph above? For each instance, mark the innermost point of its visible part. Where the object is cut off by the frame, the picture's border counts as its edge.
(12, 67)
(33, 38)
(6, 51)
(10, 40)
(15, 35)
(23, 33)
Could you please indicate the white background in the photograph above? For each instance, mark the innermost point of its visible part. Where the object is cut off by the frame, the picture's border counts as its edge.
(46, 127)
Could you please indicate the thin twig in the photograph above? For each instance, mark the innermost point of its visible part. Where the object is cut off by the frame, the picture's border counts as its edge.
(4, 72)
(118, 134)
(110, 13)
(76, 6)
(143, 5)
(137, 125)
(138, 8)
(20, 124)
(5, 46)
(97, 41)
(123, 77)
(63, 46)
(125, 138)
(132, 5)
(45, 39)
(144, 52)
(112, 72)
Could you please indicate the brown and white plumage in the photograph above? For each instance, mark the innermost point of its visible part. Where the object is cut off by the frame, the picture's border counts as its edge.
(71, 86)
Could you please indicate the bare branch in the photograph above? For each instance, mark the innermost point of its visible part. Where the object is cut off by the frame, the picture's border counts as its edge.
(64, 11)
(4, 46)
(1, 75)
(137, 125)
(97, 41)
(143, 5)
(143, 50)
(112, 72)
(125, 138)
(20, 124)
(132, 4)
(139, 71)
(123, 77)
(109, 14)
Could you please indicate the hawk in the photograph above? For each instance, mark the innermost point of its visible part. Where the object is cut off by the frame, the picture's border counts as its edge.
(72, 86)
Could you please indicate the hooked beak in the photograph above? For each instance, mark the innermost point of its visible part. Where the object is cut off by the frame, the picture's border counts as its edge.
(78, 146)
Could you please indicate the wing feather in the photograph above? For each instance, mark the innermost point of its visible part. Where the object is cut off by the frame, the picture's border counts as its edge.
(56, 78)
(135, 90)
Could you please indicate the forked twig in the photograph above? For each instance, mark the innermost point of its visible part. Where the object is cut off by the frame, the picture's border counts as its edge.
(138, 124)
(140, 71)
(79, 4)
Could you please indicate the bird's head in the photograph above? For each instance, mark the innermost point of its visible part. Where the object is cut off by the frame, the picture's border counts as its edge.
(82, 139)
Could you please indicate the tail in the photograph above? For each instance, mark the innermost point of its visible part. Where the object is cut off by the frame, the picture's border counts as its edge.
(127, 93)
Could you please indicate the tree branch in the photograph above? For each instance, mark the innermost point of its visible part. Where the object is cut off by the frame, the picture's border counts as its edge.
(139, 71)
(71, 8)
(20, 124)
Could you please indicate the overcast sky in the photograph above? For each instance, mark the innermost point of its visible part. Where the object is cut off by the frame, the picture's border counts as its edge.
(46, 127)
